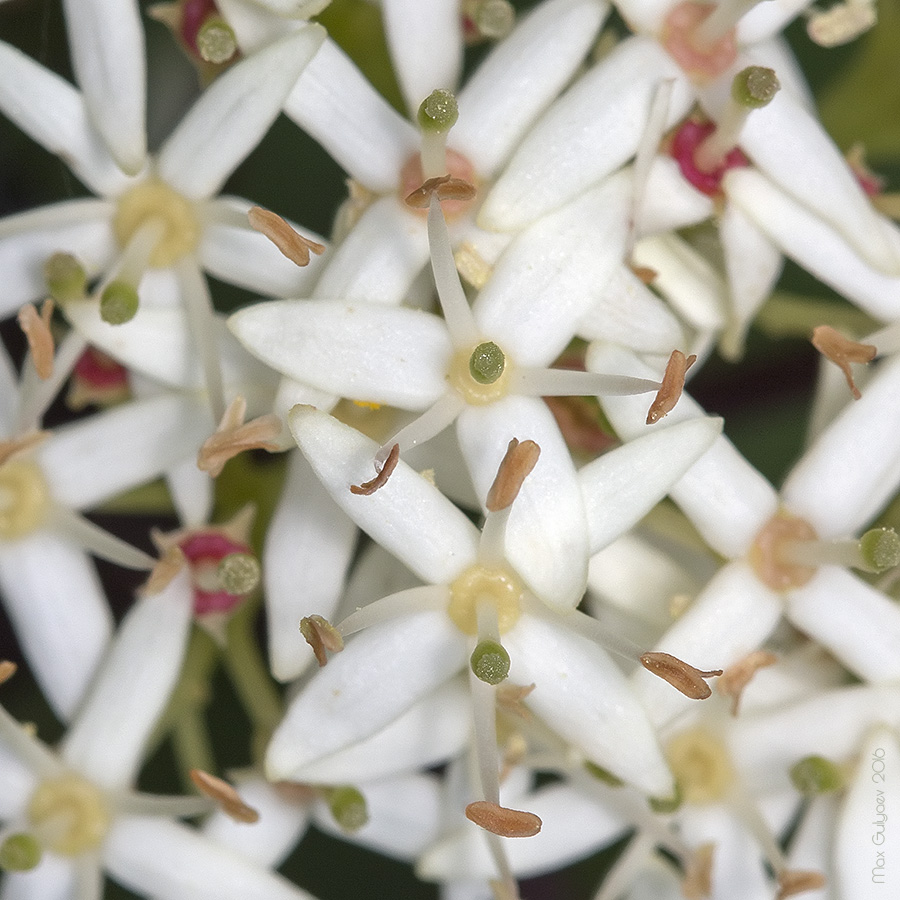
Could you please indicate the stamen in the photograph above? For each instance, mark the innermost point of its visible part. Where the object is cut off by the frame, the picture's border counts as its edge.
(348, 807)
(20, 852)
(569, 383)
(367, 488)
(233, 436)
(842, 351)
(796, 882)
(814, 775)
(437, 115)
(486, 20)
(502, 821)
(228, 799)
(216, 41)
(697, 881)
(40, 338)
(515, 467)
(445, 187)
(842, 23)
(322, 636)
(291, 243)
(7, 670)
(737, 676)
(432, 422)
(679, 674)
(672, 386)
(66, 278)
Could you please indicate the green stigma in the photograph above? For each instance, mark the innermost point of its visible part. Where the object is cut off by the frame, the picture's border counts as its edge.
(665, 805)
(118, 303)
(438, 112)
(65, 276)
(239, 573)
(490, 662)
(816, 775)
(486, 363)
(216, 41)
(880, 549)
(603, 775)
(20, 853)
(348, 806)
(754, 87)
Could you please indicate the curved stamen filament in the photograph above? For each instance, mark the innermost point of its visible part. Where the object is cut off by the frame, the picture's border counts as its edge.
(431, 423)
(569, 383)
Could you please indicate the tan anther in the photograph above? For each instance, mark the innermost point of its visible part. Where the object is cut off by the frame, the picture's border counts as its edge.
(322, 636)
(233, 436)
(381, 479)
(842, 351)
(645, 274)
(21, 445)
(679, 674)
(736, 677)
(792, 882)
(291, 244)
(446, 187)
(228, 799)
(166, 568)
(7, 670)
(769, 561)
(509, 698)
(697, 881)
(671, 387)
(502, 821)
(515, 467)
(40, 338)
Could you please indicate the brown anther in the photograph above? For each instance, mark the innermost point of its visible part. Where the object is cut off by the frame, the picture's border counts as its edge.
(445, 187)
(225, 795)
(671, 387)
(381, 479)
(40, 338)
(679, 674)
(166, 568)
(20, 445)
(645, 274)
(509, 698)
(7, 670)
(798, 881)
(502, 821)
(842, 351)
(514, 468)
(736, 677)
(697, 881)
(233, 436)
(322, 636)
(291, 244)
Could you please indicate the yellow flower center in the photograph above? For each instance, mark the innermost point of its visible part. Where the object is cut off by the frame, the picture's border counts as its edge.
(482, 585)
(24, 498)
(155, 200)
(473, 391)
(69, 815)
(701, 766)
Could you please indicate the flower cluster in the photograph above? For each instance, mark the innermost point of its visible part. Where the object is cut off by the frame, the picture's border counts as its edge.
(492, 591)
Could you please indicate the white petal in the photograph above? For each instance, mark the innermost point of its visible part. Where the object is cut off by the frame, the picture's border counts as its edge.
(622, 486)
(856, 622)
(107, 45)
(590, 131)
(162, 859)
(732, 617)
(853, 468)
(425, 41)
(53, 879)
(546, 535)
(17, 782)
(334, 103)
(767, 19)
(520, 77)
(370, 352)
(107, 740)
(408, 516)
(585, 698)
(59, 611)
(308, 547)
(9, 394)
(548, 277)
(380, 257)
(233, 114)
(670, 201)
(645, 16)
(812, 845)
(192, 492)
(378, 676)
(94, 459)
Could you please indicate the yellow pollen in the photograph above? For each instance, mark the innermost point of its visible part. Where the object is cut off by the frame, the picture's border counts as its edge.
(471, 391)
(478, 585)
(701, 766)
(24, 498)
(768, 557)
(155, 200)
(70, 815)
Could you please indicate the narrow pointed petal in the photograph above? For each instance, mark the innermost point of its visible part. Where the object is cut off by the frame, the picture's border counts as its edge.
(590, 131)
(520, 78)
(376, 678)
(547, 279)
(108, 738)
(59, 612)
(335, 104)
(546, 535)
(585, 698)
(853, 469)
(622, 486)
(309, 543)
(107, 45)
(233, 114)
(159, 858)
(192, 492)
(856, 622)
(425, 40)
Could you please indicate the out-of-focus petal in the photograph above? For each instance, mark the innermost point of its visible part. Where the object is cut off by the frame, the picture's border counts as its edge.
(53, 879)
